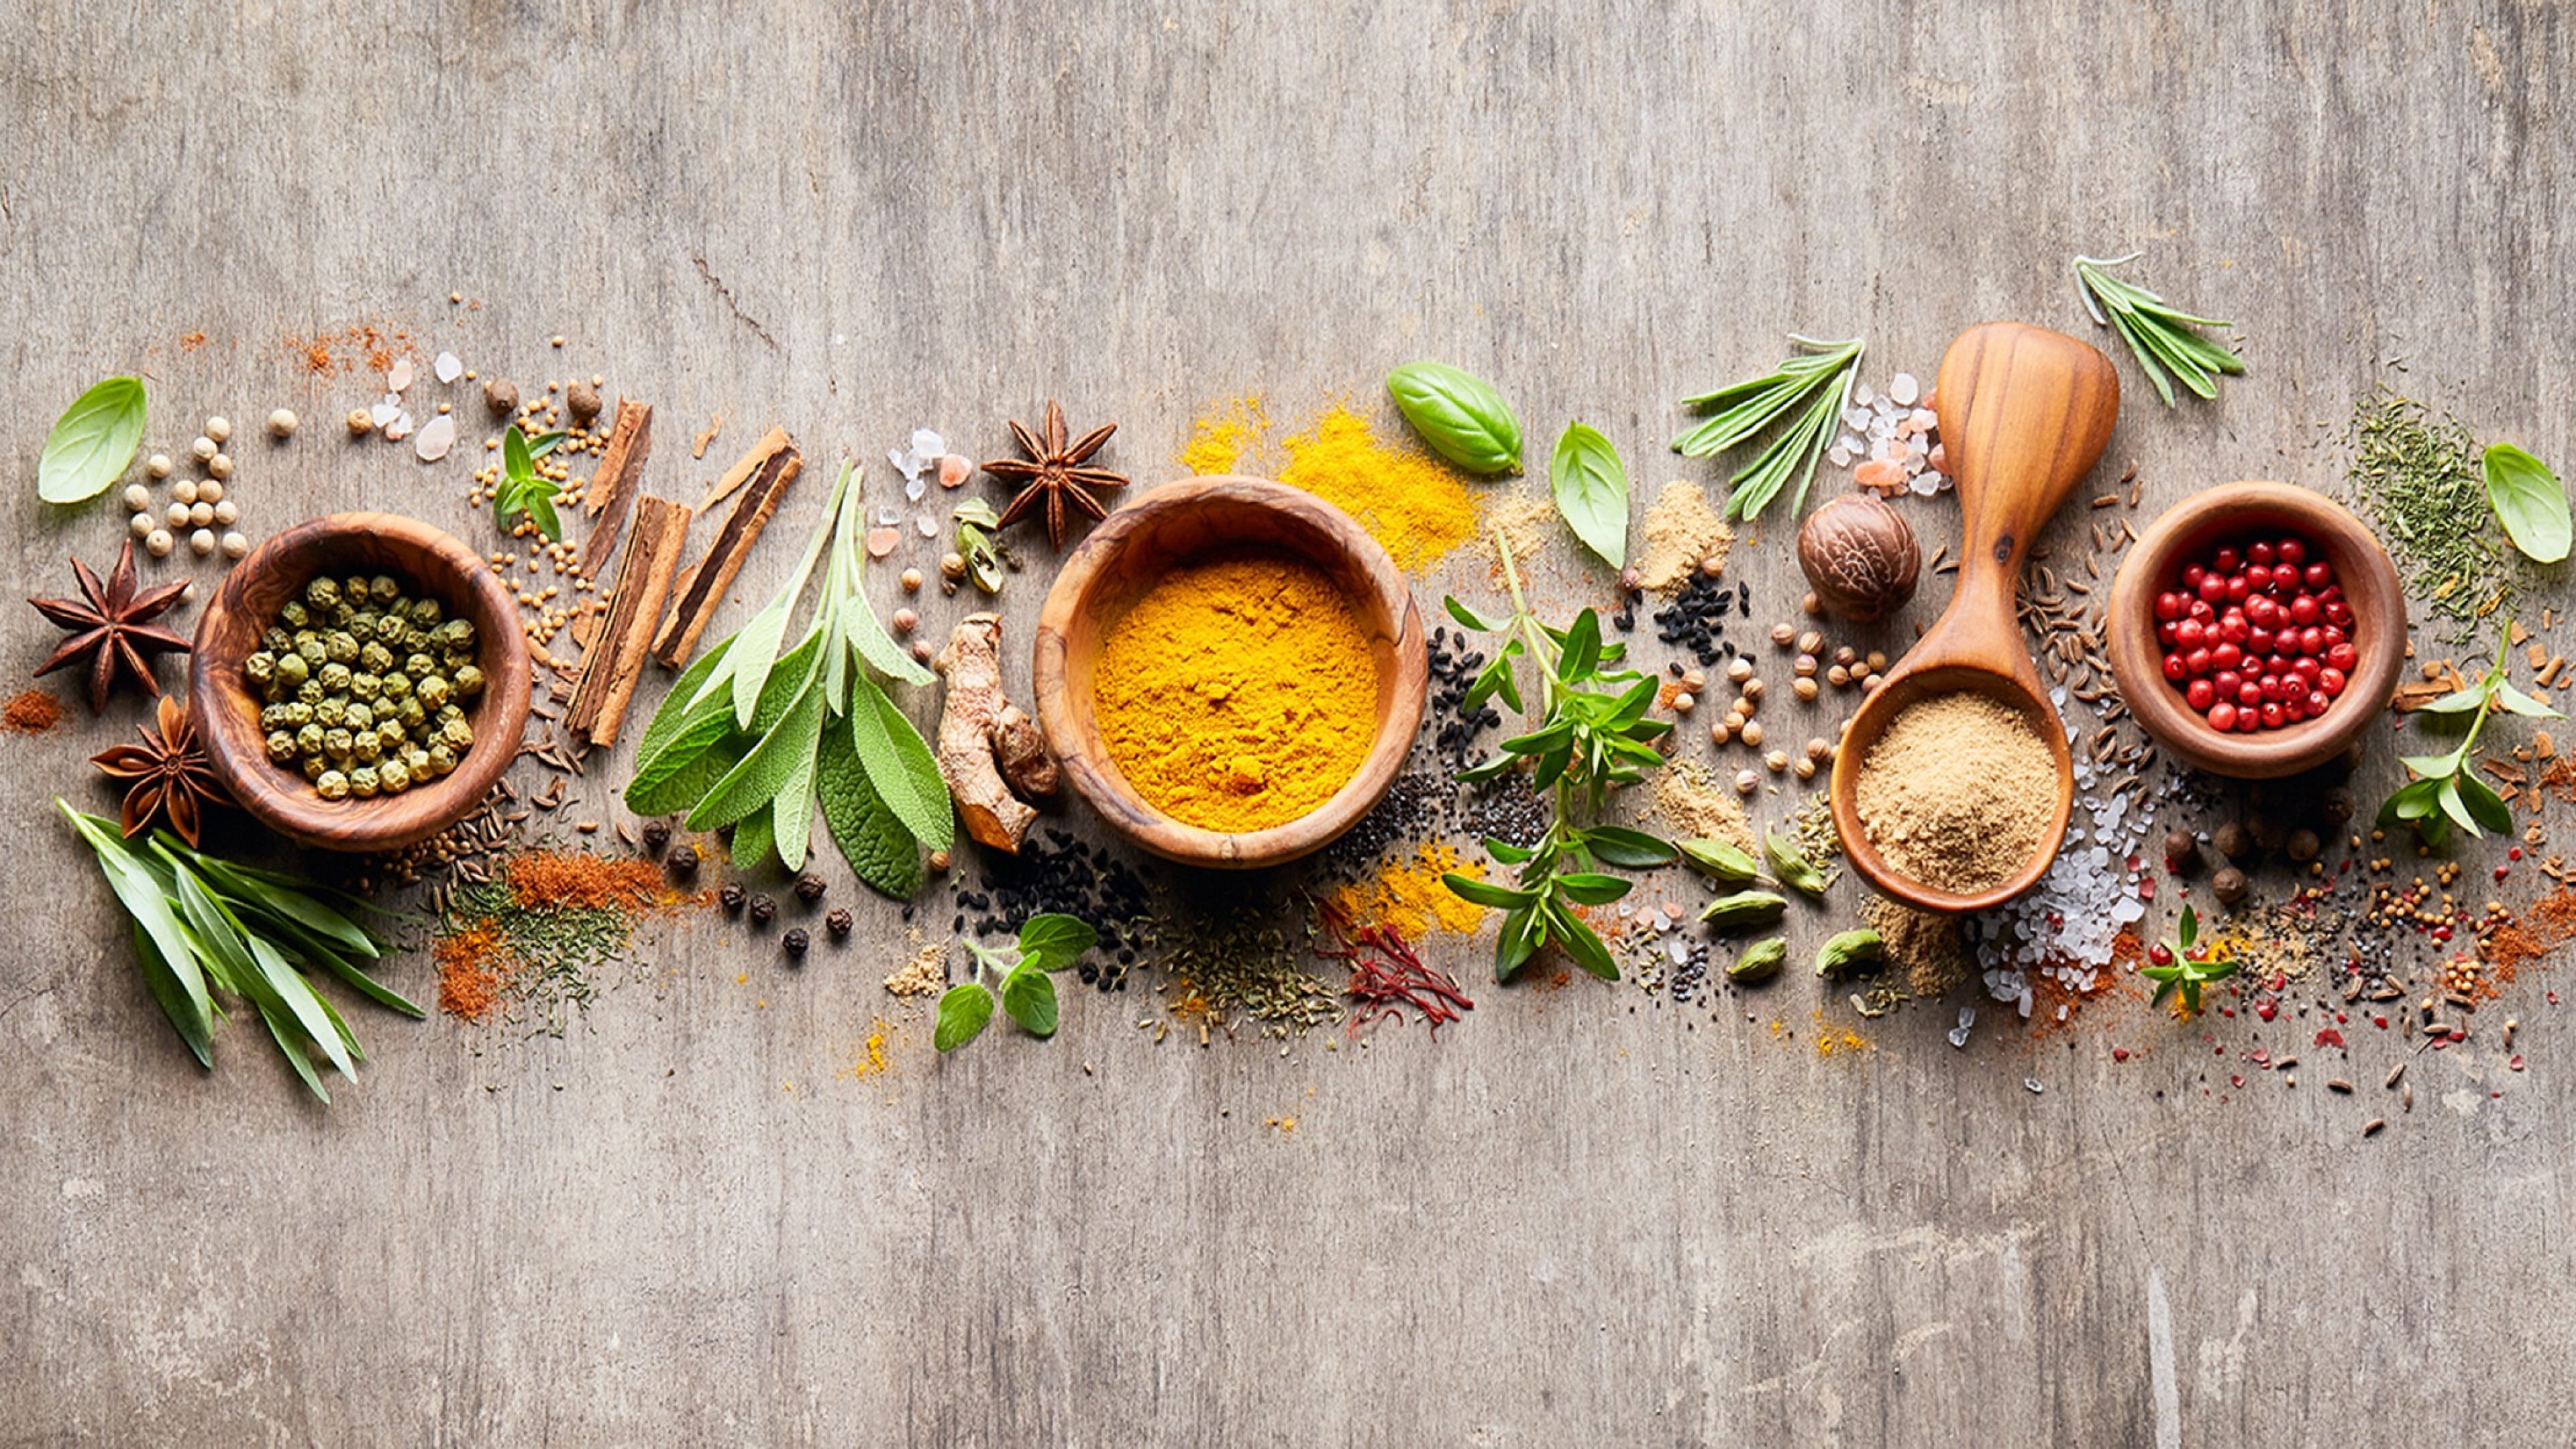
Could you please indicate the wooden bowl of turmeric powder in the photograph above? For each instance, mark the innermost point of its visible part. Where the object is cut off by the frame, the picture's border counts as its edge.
(1231, 671)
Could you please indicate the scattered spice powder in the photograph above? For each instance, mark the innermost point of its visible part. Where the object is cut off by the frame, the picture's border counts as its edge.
(1238, 694)
(1408, 895)
(1411, 502)
(1221, 436)
(2530, 937)
(925, 975)
(1526, 520)
(1697, 807)
(31, 712)
(1924, 946)
(872, 1060)
(1958, 791)
(470, 979)
(584, 882)
(1682, 532)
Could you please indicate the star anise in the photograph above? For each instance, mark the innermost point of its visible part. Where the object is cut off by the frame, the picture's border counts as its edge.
(114, 625)
(1053, 472)
(170, 774)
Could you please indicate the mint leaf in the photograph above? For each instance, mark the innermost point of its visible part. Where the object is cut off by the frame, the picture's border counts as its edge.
(964, 1012)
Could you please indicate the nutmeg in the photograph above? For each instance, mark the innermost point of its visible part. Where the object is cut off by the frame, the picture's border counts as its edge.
(1861, 557)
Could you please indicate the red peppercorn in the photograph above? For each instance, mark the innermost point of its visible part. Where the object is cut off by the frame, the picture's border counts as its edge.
(2161, 954)
(2169, 606)
(2200, 694)
(2290, 551)
(2227, 561)
(2176, 669)
(2222, 716)
(2318, 576)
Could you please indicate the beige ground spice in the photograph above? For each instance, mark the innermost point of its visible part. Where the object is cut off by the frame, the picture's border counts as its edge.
(1956, 794)
(1924, 947)
(1682, 530)
(1694, 806)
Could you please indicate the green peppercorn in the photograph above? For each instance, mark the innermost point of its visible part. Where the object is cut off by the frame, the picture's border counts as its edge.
(340, 647)
(313, 766)
(456, 634)
(332, 712)
(310, 648)
(375, 658)
(363, 624)
(441, 759)
(353, 591)
(293, 669)
(293, 615)
(334, 677)
(366, 686)
(272, 717)
(276, 640)
(419, 665)
(426, 613)
(457, 734)
(416, 760)
(298, 713)
(411, 713)
(309, 739)
(323, 593)
(468, 681)
(362, 782)
(396, 776)
(396, 685)
(331, 785)
(260, 667)
(364, 745)
(311, 692)
(391, 737)
(359, 716)
(431, 691)
(281, 746)
(336, 742)
(383, 588)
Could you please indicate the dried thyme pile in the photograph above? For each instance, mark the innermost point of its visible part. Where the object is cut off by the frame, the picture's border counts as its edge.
(1245, 964)
(2420, 480)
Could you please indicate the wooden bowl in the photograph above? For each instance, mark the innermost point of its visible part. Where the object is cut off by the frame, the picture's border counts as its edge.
(2204, 521)
(1176, 524)
(428, 561)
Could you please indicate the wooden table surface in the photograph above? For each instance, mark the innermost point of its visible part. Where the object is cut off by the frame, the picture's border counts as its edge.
(1575, 1219)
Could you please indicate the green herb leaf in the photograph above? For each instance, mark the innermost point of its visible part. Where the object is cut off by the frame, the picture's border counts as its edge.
(901, 766)
(1486, 893)
(964, 1011)
(2159, 336)
(1580, 942)
(1462, 417)
(1029, 996)
(1053, 941)
(1519, 940)
(145, 901)
(1809, 391)
(1591, 488)
(1471, 618)
(1591, 888)
(1625, 848)
(2529, 502)
(871, 839)
(92, 442)
(785, 752)
(2487, 811)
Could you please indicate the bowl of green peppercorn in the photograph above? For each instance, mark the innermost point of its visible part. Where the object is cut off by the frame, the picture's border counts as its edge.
(360, 681)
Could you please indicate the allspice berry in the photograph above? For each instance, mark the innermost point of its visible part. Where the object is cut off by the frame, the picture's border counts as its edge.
(1861, 557)
(2228, 885)
(2233, 840)
(2267, 830)
(583, 400)
(501, 395)
(361, 422)
(2338, 805)
(2182, 849)
(2304, 845)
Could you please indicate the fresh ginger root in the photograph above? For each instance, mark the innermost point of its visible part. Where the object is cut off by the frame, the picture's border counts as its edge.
(990, 753)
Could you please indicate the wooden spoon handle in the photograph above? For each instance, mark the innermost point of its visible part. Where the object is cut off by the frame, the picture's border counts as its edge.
(2025, 413)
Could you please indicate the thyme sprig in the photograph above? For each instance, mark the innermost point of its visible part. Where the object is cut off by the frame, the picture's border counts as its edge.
(2448, 790)
(1591, 733)
(2160, 335)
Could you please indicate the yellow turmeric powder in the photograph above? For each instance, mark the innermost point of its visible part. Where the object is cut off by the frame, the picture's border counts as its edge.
(1411, 502)
(1238, 694)
(1409, 894)
(1221, 436)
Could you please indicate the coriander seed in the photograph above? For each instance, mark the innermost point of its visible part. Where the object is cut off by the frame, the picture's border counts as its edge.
(1811, 604)
(1811, 642)
(1720, 733)
(1752, 733)
(1776, 761)
(1739, 670)
(905, 621)
(911, 581)
(1783, 635)
(1746, 782)
(1819, 751)
(1753, 691)
(1804, 688)
(1804, 666)
(361, 422)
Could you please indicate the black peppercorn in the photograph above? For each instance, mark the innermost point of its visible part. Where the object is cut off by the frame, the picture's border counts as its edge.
(2228, 885)
(2338, 805)
(809, 887)
(657, 833)
(762, 908)
(729, 895)
(838, 922)
(795, 941)
(684, 862)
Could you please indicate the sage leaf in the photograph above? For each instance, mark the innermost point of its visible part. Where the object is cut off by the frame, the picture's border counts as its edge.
(1053, 941)
(679, 789)
(792, 813)
(755, 838)
(1591, 488)
(964, 1012)
(2529, 502)
(757, 780)
(1029, 996)
(1462, 416)
(92, 442)
(680, 706)
(882, 853)
(900, 765)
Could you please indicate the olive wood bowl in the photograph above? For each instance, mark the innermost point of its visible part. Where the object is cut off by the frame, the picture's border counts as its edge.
(2219, 515)
(429, 562)
(1177, 524)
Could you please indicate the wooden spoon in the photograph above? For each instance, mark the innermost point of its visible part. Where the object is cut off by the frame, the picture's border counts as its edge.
(2025, 413)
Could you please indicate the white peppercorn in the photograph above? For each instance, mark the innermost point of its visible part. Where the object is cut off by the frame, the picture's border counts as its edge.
(184, 491)
(201, 514)
(177, 514)
(210, 491)
(137, 498)
(202, 542)
(235, 546)
(361, 422)
(227, 513)
(203, 448)
(281, 424)
(142, 524)
(159, 543)
(159, 466)
(219, 428)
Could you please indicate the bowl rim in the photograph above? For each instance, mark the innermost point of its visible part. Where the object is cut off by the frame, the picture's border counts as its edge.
(236, 752)
(1079, 749)
(2361, 564)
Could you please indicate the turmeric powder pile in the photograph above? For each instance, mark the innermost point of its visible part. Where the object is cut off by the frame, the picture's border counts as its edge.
(1238, 694)
(1410, 501)
(1410, 895)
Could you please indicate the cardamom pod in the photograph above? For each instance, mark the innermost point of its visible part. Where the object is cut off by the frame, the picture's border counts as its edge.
(1760, 961)
(1719, 861)
(1791, 865)
(1745, 908)
(1849, 952)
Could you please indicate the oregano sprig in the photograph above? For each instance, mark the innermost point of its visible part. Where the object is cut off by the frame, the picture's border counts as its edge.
(2449, 790)
(1047, 944)
(1591, 733)
(1810, 389)
(2188, 966)
(522, 489)
(2160, 336)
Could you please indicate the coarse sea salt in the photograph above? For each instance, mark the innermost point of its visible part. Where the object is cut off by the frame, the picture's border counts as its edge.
(436, 437)
(449, 367)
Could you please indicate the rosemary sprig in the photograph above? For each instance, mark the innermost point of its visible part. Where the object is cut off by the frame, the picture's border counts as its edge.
(2160, 335)
(1811, 388)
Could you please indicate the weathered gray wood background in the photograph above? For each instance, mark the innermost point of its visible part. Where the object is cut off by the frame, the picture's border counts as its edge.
(1571, 1221)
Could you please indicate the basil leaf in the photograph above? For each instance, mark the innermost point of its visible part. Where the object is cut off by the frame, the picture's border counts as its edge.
(1053, 941)
(2529, 502)
(92, 442)
(1461, 416)
(963, 1014)
(1591, 487)
(1029, 996)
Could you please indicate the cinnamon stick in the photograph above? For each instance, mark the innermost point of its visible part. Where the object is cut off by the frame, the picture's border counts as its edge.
(613, 664)
(701, 591)
(612, 485)
(771, 444)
